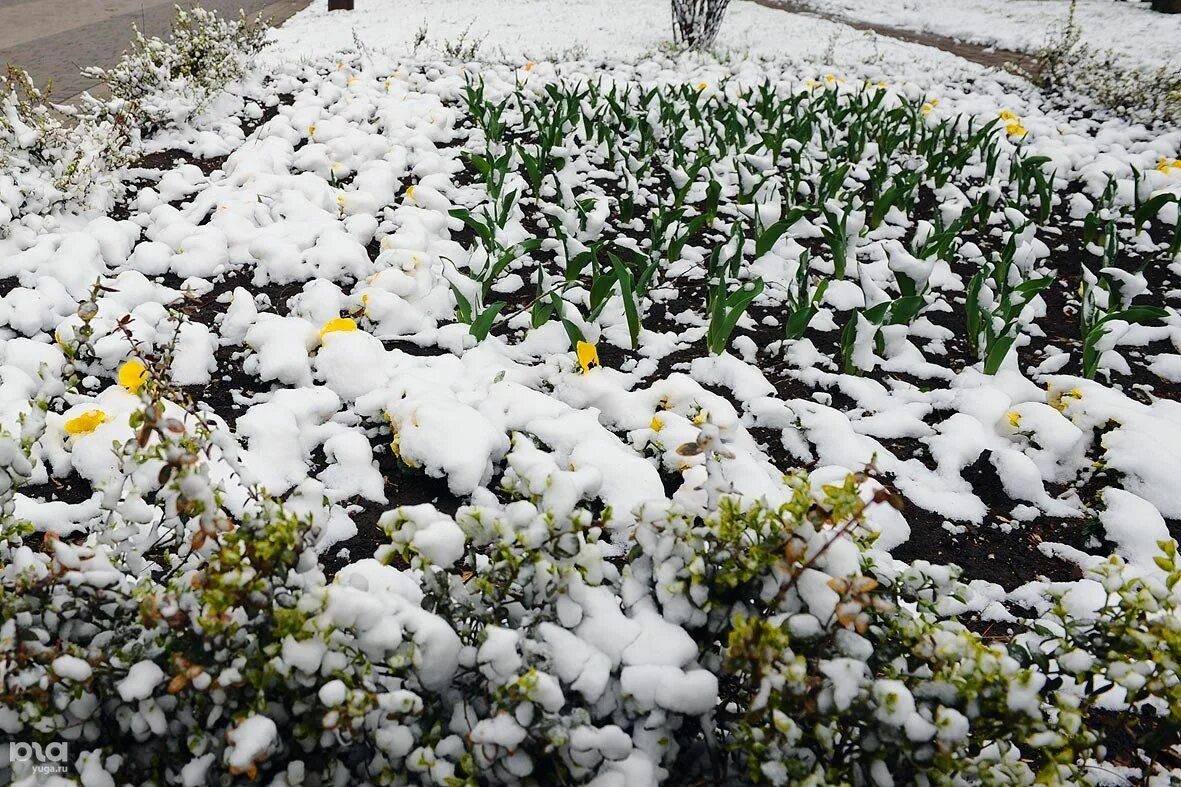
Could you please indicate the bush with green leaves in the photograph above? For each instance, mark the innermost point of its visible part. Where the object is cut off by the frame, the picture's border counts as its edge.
(536, 640)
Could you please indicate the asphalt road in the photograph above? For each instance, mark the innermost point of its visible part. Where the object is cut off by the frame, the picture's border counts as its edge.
(53, 39)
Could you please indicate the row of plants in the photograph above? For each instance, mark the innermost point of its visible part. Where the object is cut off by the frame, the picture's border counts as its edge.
(200, 642)
(734, 170)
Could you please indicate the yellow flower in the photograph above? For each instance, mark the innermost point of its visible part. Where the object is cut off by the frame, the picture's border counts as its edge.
(1007, 115)
(702, 85)
(1014, 129)
(365, 303)
(812, 83)
(410, 195)
(1059, 400)
(311, 131)
(927, 107)
(133, 375)
(85, 423)
(1014, 418)
(588, 356)
(1168, 165)
(529, 66)
(340, 324)
(656, 424)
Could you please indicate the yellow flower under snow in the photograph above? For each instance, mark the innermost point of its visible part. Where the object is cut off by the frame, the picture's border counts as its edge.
(657, 424)
(410, 195)
(338, 325)
(927, 108)
(588, 356)
(1060, 400)
(133, 375)
(1168, 165)
(85, 423)
(1014, 129)
(1007, 116)
(1014, 418)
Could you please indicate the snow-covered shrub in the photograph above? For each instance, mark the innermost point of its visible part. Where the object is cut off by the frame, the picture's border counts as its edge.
(696, 22)
(168, 80)
(71, 155)
(1069, 65)
(48, 160)
(533, 638)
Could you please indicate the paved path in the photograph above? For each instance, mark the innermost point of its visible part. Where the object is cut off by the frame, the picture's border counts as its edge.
(986, 56)
(53, 39)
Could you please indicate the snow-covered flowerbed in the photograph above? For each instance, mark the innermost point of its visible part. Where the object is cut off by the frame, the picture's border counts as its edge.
(612, 421)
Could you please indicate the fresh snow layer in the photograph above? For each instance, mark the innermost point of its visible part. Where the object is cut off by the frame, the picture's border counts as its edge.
(1136, 35)
(300, 203)
(519, 30)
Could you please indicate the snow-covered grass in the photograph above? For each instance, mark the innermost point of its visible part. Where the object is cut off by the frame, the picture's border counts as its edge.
(521, 30)
(1137, 35)
(603, 414)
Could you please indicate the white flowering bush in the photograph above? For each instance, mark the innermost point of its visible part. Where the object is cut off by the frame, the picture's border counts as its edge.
(45, 160)
(71, 155)
(168, 80)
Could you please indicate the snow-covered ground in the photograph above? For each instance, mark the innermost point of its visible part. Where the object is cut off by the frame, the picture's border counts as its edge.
(1131, 30)
(518, 30)
(275, 207)
(325, 263)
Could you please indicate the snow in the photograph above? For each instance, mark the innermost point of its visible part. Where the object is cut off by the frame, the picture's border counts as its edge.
(141, 680)
(72, 668)
(1131, 30)
(1134, 525)
(527, 30)
(327, 237)
(250, 741)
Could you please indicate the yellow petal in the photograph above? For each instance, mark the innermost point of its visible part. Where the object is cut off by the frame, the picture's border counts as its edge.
(656, 424)
(133, 375)
(588, 356)
(85, 423)
(1014, 418)
(410, 195)
(341, 324)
